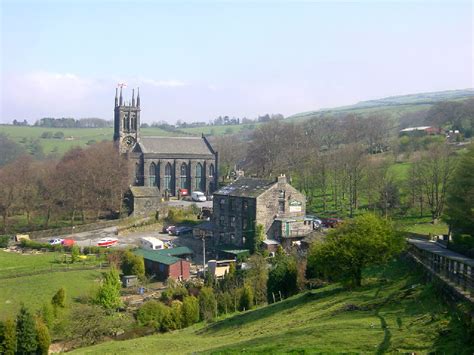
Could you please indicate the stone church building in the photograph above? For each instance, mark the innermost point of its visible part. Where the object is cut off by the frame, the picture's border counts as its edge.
(163, 166)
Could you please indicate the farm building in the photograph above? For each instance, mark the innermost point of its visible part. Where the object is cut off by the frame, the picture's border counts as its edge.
(420, 131)
(167, 263)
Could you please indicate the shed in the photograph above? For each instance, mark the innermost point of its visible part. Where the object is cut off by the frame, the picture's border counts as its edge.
(129, 280)
(167, 263)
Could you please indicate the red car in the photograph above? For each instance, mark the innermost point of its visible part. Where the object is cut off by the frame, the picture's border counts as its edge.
(68, 242)
(107, 242)
(331, 222)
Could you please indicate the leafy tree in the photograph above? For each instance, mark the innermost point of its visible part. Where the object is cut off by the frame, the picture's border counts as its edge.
(43, 338)
(460, 202)
(108, 295)
(132, 264)
(225, 303)
(59, 298)
(364, 241)
(190, 311)
(207, 303)
(8, 343)
(257, 276)
(282, 278)
(26, 332)
(246, 298)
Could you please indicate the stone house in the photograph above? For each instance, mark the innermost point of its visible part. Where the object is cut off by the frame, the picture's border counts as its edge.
(240, 206)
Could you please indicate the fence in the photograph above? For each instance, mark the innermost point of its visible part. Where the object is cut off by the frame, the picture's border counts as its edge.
(455, 270)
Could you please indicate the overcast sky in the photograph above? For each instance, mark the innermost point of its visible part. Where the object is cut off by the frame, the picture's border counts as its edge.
(196, 60)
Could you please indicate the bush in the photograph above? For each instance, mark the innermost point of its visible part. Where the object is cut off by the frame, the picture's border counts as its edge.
(8, 343)
(42, 337)
(59, 299)
(246, 298)
(282, 278)
(225, 303)
(190, 311)
(4, 241)
(132, 264)
(26, 332)
(46, 135)
(58, 135)
(152, 313)
(207, 304)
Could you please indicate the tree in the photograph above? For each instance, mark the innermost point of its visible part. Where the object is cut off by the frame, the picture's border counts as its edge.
(246, 298)
(9, 150)
(8, 343)
(282, 278)
(460, 201)
(108, 295)
(132, 264)
(190, 311)
(26, 332)
(435, 173)
(47, 314)
(207, 303)
(59, 298)
(257, 276)
(43, 338)
(363, 241)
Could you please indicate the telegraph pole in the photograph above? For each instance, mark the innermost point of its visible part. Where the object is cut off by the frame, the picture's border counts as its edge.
(204, 256)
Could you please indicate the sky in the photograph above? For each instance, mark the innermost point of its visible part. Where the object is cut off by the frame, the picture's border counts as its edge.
(197, 60)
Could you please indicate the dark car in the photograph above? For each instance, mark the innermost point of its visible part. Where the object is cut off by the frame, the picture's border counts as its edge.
(331, 222)
(182, 230)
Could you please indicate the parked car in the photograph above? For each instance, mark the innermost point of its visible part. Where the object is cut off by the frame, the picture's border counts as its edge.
(68, 242)
(56, 241)
(171, 230)
(331, 222)
(166, 229)
(182, 230)
(107, 242)
(198, 196)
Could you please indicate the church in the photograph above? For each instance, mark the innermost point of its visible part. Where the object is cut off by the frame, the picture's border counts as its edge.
(164, 167)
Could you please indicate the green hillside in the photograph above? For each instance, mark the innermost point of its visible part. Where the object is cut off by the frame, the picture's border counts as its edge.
(393, 311)
(394, 106)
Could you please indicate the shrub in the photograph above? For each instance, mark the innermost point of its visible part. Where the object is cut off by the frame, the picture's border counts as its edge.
(132, 264)
(152, 313)
(8, 343)
(42, 337)
(207, 304)
(282, 278)
(246, 298)
(4, 241)
(190, 311)
(47, 314)
(59, 298)
(75, 251)
(26, 332)
(58, 135)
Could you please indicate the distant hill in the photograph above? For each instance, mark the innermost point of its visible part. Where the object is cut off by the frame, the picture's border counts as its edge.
(394, 106)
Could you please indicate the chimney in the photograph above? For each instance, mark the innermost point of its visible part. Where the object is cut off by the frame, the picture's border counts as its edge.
(282, 179)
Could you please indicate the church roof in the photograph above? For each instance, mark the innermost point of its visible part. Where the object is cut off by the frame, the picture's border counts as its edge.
(174, 145)
(246, 187)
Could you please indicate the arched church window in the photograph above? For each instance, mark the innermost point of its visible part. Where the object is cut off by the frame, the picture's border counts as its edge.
(199, 182)
(153, 174)
(184, 176)
(168, 177)
(211, 170)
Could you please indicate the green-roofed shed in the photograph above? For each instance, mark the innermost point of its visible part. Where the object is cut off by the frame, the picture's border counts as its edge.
(166, 263)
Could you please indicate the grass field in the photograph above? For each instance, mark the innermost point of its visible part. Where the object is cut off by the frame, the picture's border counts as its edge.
(33, 291)
(392, 312)
(14, 264)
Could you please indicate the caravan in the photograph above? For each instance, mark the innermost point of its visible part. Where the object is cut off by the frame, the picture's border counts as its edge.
(151, 243)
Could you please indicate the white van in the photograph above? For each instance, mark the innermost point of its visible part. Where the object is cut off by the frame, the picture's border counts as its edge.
(198, 196)
(151, 243)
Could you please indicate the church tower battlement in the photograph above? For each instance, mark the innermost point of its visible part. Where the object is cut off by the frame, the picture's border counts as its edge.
(126, 121)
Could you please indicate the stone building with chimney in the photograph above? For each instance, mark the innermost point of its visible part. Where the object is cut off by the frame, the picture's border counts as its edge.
(246, 202)
(162, 166)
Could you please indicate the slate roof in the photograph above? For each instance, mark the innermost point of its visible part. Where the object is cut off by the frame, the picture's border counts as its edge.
(174, 145)
(164, 256)
(142, 191)
(245, 187)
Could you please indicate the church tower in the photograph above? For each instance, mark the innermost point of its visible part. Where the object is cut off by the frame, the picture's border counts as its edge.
(126, 121)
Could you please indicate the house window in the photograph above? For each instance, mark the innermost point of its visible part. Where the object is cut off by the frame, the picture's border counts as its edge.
(222, 221)
(282, 194)
(199, 180)
(137, 173)
(232, 221)
(245, 205)
(222, 204)
(184, 176)
(244, 223)
(168, 177)
(232, 238)
(231, 204)
(281, 206)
